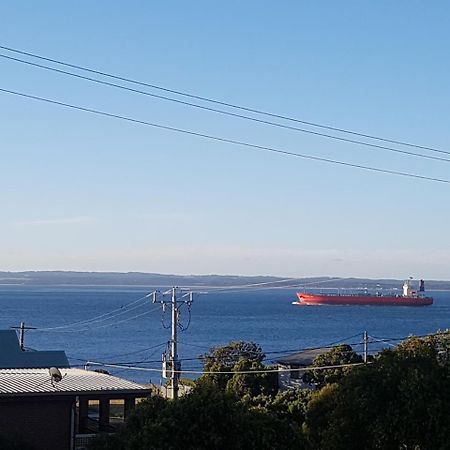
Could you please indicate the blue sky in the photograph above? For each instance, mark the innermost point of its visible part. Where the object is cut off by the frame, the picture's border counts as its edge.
(80, 192)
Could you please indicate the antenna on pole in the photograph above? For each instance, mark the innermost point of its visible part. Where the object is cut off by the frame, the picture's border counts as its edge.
(22, 329)
(171, 366)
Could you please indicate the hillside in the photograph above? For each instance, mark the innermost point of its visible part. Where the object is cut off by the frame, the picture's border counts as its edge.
(36, 278)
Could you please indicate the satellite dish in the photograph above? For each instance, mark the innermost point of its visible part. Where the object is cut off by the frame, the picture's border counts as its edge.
(55, 374)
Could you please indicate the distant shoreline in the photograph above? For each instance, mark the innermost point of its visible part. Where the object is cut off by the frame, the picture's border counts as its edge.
(112, 286)
(142, 280)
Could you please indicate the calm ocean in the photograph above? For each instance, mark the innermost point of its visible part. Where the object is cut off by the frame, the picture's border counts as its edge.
(136, 334)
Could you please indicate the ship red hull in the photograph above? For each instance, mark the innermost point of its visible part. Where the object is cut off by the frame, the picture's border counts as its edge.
(372, 300)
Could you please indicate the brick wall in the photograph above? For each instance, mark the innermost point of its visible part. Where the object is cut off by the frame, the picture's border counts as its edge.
(42, 423)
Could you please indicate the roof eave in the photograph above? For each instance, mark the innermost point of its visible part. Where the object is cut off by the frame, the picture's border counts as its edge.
(113, 392)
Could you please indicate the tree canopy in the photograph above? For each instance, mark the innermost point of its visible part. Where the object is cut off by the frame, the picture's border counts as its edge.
(234, 358)
(400, 400)
(338, 355)
(206, 419)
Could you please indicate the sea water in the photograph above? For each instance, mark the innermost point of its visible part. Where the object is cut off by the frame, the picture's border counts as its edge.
(137, 333)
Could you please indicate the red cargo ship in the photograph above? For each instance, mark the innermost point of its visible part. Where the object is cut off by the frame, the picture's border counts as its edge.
(410, 297)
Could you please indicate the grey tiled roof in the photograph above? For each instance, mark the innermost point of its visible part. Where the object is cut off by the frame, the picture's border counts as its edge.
(24, 382)
(301, 359)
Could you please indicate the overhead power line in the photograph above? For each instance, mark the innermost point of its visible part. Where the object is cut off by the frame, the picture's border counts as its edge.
(226, 140)
(95, 327)
(228, 372)
(102, 317)
(278, 353)
(77, 358)
(265, 285)
(389, 339)
(371, 339)
(228, 113)
(328, 345)
(203, 358)
(222, 103)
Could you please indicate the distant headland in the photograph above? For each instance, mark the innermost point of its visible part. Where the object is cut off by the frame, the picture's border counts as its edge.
(71, 278)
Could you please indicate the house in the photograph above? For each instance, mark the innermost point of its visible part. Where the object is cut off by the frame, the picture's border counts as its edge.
(289, 376)
(62, 409)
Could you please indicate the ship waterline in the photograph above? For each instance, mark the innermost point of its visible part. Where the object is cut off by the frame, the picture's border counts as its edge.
(371, 300)
(410, 297)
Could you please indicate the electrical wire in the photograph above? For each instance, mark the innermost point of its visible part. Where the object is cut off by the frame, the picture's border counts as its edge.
(100, 317)
(240, 116)
(194, 345)
(218, 288)
(202, 357)
(123, 354)
(262, 286)
(239, 286)
(280, 354)
(227, 372)
(226, 140)
(438, 333)
(102, 326)
(166, 327)
(146, 360)
(345, 339)
(113, 316)
(231, 372)
(374, 340)
(218, 102)
(276, 352)
(180, 325)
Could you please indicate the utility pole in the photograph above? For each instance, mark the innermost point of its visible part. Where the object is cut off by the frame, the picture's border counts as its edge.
(174, 375)
(22, 329)
(366, 346)
(171, 364)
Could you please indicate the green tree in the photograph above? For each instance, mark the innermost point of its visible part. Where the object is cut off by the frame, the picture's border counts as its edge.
(228, 355)
(233, 357)
(288, 405)
(206, 419)
(399, 401)
(441, 343)
(336, 356)
(249, 384)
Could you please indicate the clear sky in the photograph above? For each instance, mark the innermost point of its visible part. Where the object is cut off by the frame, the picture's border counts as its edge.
(81, 192)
